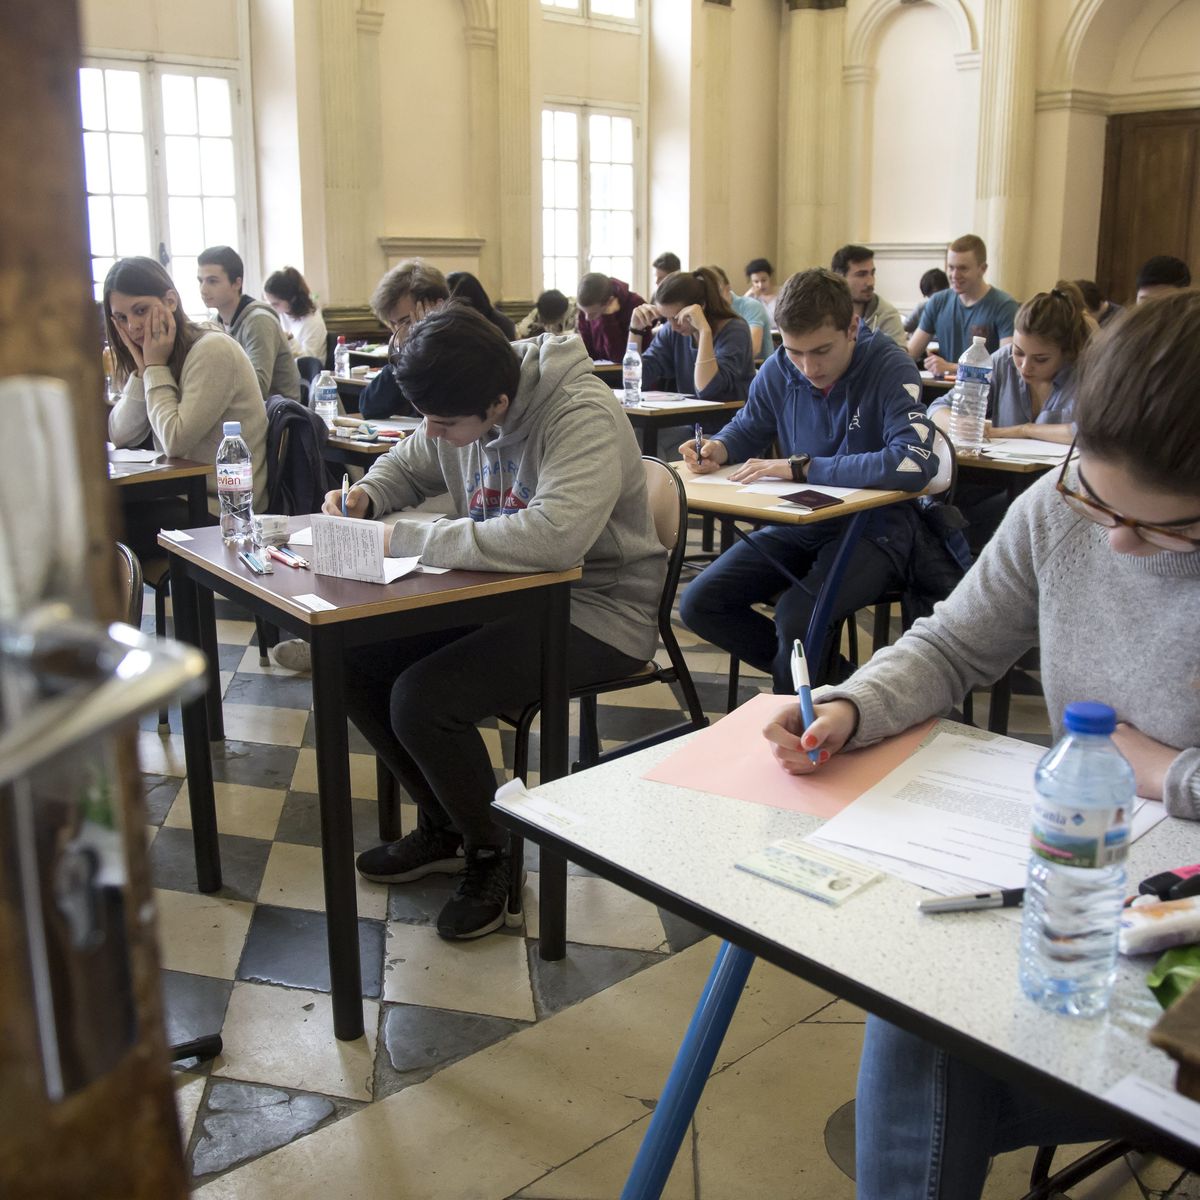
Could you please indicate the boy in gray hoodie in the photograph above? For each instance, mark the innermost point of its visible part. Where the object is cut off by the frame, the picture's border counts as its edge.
(544, 472)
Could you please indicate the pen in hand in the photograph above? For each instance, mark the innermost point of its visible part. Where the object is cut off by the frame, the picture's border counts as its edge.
(699, 435)
(345, 494)
(803, 692)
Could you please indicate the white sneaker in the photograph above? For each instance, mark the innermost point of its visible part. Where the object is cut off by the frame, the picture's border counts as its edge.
(293, 655)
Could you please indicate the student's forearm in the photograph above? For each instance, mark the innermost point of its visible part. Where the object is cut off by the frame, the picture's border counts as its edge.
(756, 339)
(706, 361)
(1063, 434)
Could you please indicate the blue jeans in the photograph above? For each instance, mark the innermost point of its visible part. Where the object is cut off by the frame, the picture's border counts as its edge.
(717, 603)
(926, 1123)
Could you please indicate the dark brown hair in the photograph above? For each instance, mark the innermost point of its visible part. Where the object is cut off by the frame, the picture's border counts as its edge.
(1137, 394)
(700, 287)
(414, 277)
(1057, 316)
(290, 286)
(594, 289)
(146, 277)
(667, 261)
(810, 298)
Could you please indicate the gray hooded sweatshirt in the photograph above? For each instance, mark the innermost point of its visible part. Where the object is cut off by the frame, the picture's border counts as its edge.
(257, 330)
(561, 484)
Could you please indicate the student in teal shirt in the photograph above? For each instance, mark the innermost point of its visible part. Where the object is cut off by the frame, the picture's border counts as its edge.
(753, 312)
(970, 308)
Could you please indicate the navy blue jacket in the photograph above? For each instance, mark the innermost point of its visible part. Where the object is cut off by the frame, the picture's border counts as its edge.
(382, 398)
(669, 362)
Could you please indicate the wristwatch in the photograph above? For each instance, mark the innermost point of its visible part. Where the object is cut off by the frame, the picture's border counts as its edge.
(799, 464)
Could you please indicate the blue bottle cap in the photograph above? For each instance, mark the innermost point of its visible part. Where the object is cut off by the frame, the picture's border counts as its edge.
(232, 429)
(1087, 716)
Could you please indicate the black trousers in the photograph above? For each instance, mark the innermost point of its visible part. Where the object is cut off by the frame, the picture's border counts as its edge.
(418, 701)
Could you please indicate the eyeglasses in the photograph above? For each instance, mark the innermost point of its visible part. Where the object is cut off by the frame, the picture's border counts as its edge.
(1168, 536)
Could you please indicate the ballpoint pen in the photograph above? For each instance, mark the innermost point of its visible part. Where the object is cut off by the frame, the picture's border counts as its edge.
(803, 692)
(345, 493)
(255, 563)
(1003, 898)
(699, 435)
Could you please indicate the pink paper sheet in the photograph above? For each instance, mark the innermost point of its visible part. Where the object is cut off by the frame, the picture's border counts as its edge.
(732, 758)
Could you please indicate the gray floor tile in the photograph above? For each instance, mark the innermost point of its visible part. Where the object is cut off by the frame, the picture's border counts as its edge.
(159, 792)
(358, 743)
(243, 860)
(419, 902)
(194, 1005)
(585, 971)
(252, 763)
(300, 821)
(680, 933)
(280, 691)
(288, 946)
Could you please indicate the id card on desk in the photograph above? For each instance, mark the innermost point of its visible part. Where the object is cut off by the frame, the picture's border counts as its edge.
(810, 869)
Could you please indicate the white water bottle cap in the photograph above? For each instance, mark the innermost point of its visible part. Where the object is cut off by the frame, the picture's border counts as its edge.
(232, 429)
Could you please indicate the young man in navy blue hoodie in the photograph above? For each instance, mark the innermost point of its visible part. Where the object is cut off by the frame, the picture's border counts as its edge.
(839, 403)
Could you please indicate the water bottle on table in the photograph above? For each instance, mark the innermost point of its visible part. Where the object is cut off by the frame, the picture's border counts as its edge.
(1075, 887)
(325, 398)
(968, 399)
(235, 485)
(341, 358)
(631, 375)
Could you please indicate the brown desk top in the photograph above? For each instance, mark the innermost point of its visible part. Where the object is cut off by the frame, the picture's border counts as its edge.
(686, 410)
(1011, 466)
(372, 449)
(354, 598)
(162, 469)
(753, 506)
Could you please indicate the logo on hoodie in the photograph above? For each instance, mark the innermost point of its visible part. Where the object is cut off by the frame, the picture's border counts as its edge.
(498, 492)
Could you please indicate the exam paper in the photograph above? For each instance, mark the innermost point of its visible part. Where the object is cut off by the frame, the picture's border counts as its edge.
(777, 487)
(354, 549)
(130, 456)
(958, 806)
(1025, 448)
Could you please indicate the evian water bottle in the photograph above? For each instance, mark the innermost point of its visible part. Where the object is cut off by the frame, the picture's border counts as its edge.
(235, 485)
(968, 400)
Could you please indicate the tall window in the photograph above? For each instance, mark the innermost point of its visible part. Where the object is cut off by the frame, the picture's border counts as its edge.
(587, 196)
(161, 163)
(621, 10)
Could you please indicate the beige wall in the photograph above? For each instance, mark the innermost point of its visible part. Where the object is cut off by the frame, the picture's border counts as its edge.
(208, 30)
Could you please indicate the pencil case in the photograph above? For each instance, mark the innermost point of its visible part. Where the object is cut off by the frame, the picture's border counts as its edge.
(1150, 928)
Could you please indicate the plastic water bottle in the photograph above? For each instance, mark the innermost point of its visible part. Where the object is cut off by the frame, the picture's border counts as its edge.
(235, 485)
(341, 358)
(1075, 887)
(631, 375)
(968, 399)
(325, 398)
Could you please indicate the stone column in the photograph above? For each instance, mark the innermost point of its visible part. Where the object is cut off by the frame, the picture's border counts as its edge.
(483, 85)
(340, 132)
(710, 235)
(516, 119)
(370, 102)
(1004, 181)
(811, 184)
(857, 92)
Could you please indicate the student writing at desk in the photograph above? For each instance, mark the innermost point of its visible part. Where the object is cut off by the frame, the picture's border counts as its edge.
(840, 403)
(181, 383)
(1106, 555)
(544, 472)
(703, 346)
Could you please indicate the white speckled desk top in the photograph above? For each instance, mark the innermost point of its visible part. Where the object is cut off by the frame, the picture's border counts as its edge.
(958, 971)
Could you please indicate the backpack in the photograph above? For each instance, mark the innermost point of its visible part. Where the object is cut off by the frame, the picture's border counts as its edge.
(297, 476)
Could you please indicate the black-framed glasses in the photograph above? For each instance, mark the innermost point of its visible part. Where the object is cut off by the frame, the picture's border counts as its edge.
(1166, 536)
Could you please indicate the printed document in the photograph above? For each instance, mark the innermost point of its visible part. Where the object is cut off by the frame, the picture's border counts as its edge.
(354, 549)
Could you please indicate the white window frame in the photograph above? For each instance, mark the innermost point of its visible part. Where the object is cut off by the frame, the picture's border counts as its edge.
(583, 109)
(151, 66)
(583, 16)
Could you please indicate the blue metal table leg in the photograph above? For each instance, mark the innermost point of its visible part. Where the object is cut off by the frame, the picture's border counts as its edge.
(818, 622)
(697, 1053)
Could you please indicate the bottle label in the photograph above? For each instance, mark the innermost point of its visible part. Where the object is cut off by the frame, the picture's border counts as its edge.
(1079, 837)
(970, 374)
(234, 477)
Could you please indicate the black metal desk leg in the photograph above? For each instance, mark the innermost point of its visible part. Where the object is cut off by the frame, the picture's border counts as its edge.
(207, 618)
(196, 495)
(337, 831)
(650, 439)
(184, 601)
(552, 938)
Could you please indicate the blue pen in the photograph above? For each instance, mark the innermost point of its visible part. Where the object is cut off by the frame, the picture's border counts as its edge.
(345, 493)
(699, 435)
(803, 692)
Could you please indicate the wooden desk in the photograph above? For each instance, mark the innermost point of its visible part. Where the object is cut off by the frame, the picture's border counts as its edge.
(611, 373)
(354, 453)
(934, 389)
(366, 613)
(951, 980)
(648, 421)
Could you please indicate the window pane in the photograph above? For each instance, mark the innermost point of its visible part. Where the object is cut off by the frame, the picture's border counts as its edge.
(622, 139)
(622, 268)
(183, 273)
(599, 139)
(565, 136)
(547, 133)
(95, 162)
(216, 166)
(599, 233)
(566, 185)
(547, 273)
(212, 94)
(620, 233)
(100, 230)
(127, 156)
(548, 183)
(569, 5)
(186, 217)
(179, 104)
(548, 231)
(183, 166)
(566, 230)
(620, 193)
(220, 222)
(91, 97)
(131, 217)
(625, 9)
(124, 93)
(599, 197)
(566, 275)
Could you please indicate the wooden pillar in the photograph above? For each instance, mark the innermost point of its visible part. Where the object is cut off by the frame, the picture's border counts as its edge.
(118, 1136)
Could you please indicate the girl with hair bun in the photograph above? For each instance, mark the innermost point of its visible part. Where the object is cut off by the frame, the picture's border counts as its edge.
(287, 293)
(703, 346)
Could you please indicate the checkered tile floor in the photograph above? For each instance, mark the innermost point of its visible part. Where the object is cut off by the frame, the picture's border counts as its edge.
(251, 959)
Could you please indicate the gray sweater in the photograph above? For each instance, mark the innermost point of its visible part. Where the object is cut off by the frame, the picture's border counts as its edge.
(216, 384)
(257, 330)
(560, 484)
(1112, 628)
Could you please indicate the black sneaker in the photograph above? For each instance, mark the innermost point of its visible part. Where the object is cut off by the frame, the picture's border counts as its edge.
(423, 852)
(480, 900)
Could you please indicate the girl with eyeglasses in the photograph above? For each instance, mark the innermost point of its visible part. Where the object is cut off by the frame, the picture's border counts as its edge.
(1101, 567)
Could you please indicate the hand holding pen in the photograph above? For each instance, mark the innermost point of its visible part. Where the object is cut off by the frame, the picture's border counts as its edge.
(792, 741)
(800, 682)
